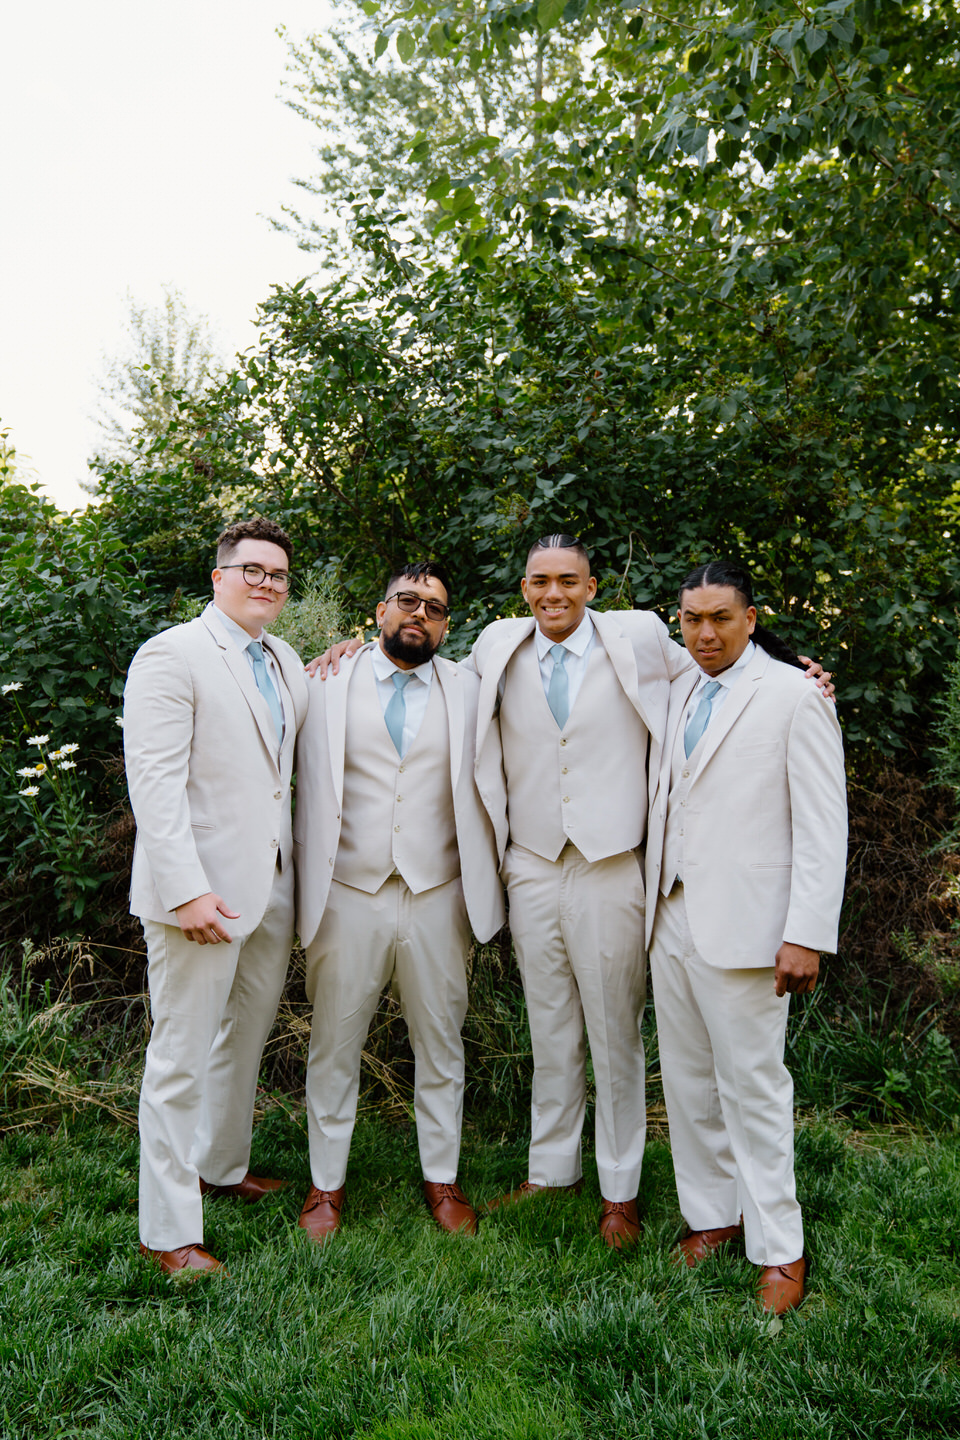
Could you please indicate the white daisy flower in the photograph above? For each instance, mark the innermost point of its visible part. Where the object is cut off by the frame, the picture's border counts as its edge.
(29, 770)
(13, 685)
(68, 749)
(118, 720)
(31, 790)
(38, 739)
(67, 765)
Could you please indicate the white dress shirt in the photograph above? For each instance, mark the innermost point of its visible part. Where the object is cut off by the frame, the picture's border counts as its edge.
(727, 679)
(578, 647)
(416, 694)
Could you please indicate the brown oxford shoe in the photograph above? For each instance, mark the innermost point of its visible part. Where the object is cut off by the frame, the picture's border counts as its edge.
(320, 1216)
(251, 1188)
(781, 1286)
(620, 1223)
(188, 1258)
(698, 1245)
(528, 1190)
(450, 1208)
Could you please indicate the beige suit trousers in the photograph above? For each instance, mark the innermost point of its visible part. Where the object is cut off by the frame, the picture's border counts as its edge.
(577, 928)
(212, 1008)
(729, 1095)
(420, 944)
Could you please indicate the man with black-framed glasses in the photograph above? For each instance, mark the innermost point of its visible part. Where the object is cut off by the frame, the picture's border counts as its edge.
(211, 712)
(396, 859)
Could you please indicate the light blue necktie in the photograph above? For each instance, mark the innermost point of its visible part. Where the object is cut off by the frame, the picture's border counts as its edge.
(396, 711)
(558, 695)
(700, 718)
(266, 686)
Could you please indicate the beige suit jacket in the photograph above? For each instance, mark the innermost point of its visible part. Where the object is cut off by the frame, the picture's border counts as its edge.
(209, 793)
(765, 824)
(321, 750)
(644, 659)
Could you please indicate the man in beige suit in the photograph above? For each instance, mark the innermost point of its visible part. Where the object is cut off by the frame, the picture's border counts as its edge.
(572, 704)
(745, 870)
(395, 854)
(211, 711)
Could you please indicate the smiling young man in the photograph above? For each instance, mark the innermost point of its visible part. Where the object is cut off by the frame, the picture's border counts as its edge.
(395, 855)
(745, 869)
(572, 701)
(211, 711)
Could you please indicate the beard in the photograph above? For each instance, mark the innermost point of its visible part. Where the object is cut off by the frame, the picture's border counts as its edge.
(411, 652)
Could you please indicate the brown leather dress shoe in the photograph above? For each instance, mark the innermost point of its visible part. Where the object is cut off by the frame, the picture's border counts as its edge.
(528, 1190)
(450, 1208)
(781, 1286)
(320, 1216)
(619, 1223)
(251, 1188)
(698, 1245)
(189, 1258)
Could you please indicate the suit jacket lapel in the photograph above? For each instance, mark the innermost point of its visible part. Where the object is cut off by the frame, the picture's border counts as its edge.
(335, 715)
(239, 668)
(283, 664)
(733, 707)
(453, 695)
(623, 660)
(493, 668)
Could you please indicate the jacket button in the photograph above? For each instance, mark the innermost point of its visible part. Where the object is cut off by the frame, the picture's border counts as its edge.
(396, 829)
(566, 799)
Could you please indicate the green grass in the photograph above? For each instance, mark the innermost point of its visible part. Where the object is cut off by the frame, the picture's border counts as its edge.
(534, 1329)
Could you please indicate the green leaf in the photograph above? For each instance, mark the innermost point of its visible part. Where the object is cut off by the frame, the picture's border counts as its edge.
(406, 46)
(380, 45)
(549, 13)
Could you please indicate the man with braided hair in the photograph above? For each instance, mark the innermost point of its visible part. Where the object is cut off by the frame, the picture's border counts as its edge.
(745, 866)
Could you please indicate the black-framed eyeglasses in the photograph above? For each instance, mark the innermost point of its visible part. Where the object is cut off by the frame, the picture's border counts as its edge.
(255, 575)
(410, 603)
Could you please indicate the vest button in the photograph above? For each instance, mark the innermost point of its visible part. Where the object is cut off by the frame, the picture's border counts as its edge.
(564, 769)
(399, 769)
(399, 798)
(396, 829)
(566, 799)
(563, 742)
(278, 794)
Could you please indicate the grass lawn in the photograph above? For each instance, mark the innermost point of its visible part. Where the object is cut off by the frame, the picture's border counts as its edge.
(533, 1329)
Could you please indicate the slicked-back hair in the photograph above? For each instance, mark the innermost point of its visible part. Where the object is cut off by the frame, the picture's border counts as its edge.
(420, 571)
(559, 542)
(258, 529)
(725, 572)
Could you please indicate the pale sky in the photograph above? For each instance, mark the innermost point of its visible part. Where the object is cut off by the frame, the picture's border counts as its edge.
(141, 144)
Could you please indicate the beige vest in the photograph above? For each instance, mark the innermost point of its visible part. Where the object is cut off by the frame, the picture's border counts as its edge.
(585, 784)
(397, 814)
(681, 773)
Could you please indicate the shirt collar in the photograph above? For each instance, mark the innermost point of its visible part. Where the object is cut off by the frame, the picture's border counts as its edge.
(384, 668)
(577, 642)
(237, 634)
(728, 678)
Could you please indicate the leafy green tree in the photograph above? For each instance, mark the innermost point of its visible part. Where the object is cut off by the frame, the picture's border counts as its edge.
(383, 125)
(170, 357)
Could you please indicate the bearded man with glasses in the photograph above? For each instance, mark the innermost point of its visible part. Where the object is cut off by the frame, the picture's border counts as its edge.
(396, 859)
(211, 713)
